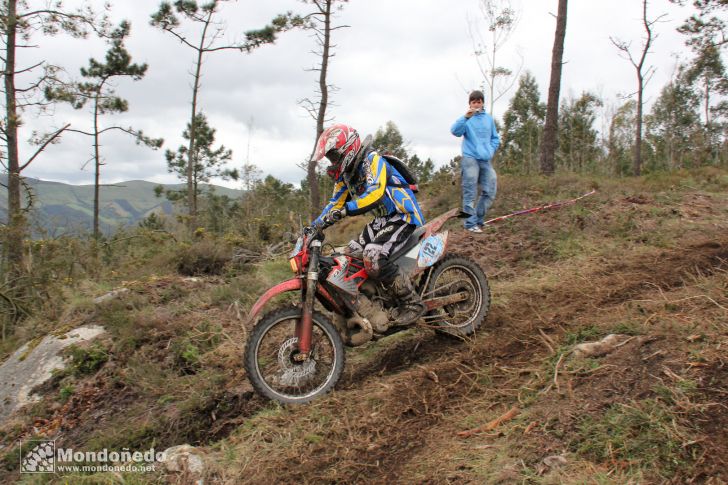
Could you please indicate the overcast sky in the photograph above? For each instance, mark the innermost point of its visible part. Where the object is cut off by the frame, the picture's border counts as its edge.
(409, 61)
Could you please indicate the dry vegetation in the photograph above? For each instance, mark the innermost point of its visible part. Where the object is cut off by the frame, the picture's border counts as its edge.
(646, 259)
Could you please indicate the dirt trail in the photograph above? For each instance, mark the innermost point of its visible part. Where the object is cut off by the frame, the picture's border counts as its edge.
(399, 419)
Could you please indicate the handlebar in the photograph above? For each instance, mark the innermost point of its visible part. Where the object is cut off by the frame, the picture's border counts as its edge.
(315, 230)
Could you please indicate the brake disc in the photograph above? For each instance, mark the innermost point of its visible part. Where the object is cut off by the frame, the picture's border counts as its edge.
(293, 374)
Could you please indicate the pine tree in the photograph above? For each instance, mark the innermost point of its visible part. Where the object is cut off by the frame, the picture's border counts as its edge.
(388, 139)
(20, 19)
(320, 22)
(707, 74)
(500, 19)
(523, 126)
(209, 162)
(707, 26)
(98, 91)
(673, 125)
(707, 35)
(620, 138)
(422, 170)
(644, 73)
(206, 18)
(578, 148)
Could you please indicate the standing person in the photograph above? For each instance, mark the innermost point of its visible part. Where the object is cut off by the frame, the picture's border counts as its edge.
(480, 141)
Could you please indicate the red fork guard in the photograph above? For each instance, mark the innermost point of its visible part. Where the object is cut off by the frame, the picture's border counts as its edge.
(304, 331)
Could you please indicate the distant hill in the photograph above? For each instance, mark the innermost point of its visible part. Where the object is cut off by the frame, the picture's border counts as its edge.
(60, 208)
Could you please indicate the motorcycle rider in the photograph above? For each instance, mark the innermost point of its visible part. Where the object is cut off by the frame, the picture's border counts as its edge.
(365, 182)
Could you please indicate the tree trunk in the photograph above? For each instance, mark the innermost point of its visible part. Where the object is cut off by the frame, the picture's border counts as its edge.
(16, 219)
(97, 164)
(191, 206)
(707, 101)
(637, 165)
(314, 195)
(550, 140)
(637, 161)
(191, 155)
(492, 79)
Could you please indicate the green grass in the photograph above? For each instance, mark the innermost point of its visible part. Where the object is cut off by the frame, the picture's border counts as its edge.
(66, 392)
(583, 334)
(641, 435)
(135, 434)
(260, 419)
(627, 328)
(86, 360)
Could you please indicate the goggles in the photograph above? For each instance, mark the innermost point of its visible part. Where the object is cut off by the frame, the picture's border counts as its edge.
(334, 156)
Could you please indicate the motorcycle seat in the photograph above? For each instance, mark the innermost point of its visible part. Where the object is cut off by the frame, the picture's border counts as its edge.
(409, 244)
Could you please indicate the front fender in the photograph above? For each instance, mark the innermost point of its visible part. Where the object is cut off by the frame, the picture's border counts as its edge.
(289, 285)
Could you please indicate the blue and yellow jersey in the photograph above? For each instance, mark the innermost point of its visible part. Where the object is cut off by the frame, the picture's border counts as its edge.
(380, 185)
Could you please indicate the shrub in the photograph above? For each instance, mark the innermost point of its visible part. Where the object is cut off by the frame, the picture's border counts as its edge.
(204, 257)
(87, 360)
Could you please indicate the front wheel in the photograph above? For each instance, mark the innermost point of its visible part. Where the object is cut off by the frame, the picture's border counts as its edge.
(456, 274)
(270, 352)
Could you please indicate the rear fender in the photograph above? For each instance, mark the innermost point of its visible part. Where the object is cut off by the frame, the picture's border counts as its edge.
(435, 224)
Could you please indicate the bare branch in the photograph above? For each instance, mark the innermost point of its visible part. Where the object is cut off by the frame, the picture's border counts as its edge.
(83, 165)
(27, 68)
(47, 142)
(73, 130)
(625, 48)
(181, 38)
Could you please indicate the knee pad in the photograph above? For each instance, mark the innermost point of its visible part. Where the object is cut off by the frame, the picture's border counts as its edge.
(372, 260)
(354, 249)
(378, 265)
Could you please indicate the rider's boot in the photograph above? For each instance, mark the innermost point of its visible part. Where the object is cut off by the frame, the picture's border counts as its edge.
(410, 307)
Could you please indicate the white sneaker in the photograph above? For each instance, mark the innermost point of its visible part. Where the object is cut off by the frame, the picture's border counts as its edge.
(475, 229)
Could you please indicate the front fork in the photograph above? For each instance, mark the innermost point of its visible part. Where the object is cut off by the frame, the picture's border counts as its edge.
(304, 326)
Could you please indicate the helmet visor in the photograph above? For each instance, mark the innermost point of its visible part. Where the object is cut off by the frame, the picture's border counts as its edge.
(334, 156)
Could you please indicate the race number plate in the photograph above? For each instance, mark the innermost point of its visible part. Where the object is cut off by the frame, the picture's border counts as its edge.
(431, 250)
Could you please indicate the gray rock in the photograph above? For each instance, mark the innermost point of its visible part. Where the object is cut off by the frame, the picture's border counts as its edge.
(29, 367)
(555, 461)
(184, 459)
(597, 349)
(110, 295)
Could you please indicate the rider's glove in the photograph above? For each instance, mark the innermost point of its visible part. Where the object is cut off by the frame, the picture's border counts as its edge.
(309, 230)
(334, 216)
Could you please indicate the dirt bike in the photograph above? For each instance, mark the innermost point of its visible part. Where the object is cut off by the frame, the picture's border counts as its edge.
(295, 353)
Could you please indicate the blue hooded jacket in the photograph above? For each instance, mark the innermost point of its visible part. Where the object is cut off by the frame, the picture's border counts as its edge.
(480, 137)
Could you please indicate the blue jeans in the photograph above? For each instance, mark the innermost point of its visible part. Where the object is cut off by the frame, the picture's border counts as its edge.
(477, 172)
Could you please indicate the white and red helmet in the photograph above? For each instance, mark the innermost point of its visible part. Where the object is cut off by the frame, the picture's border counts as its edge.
(340, 144)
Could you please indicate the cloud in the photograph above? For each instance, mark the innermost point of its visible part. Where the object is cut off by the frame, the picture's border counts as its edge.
(409, 61)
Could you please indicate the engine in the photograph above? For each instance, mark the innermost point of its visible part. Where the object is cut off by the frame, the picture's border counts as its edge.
(373, 311)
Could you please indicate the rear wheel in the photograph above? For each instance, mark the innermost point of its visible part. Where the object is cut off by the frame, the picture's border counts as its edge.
(456, 274)
(276, 374)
